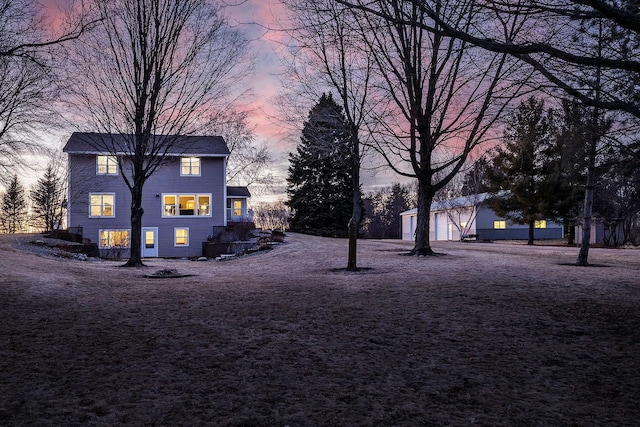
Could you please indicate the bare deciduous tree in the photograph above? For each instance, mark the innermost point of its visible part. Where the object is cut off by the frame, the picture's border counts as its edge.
(150, 71)
(28, 84)
(271, 215)
(558, 51)
(460, 199)
(248, 163)
(329, 54)
(445, 94)
(22, 29)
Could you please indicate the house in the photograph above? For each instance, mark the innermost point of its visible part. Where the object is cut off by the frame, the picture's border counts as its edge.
(469, 216)
(185, 201)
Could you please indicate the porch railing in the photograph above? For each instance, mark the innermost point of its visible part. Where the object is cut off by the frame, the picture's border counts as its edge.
(239, 215)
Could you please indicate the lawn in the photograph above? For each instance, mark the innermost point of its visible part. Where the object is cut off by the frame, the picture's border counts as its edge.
(488, 334)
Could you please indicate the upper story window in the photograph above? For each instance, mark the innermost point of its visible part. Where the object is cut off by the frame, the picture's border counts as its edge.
(186, 205)
(500, 224)
(106, 165)
(102, 205)
(540, 224)
(190, 166)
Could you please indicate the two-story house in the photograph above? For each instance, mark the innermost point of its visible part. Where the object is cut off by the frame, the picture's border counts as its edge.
(185, 201)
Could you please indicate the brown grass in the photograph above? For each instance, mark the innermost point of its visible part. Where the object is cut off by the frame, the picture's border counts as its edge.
(486, 335)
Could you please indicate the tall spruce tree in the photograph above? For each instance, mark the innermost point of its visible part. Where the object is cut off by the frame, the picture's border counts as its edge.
(48, 199)
(518, 179)
(13, 208)
(319, 181)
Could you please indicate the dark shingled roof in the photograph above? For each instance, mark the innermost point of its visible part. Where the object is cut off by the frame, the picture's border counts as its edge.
(99, 143)
(238, 192)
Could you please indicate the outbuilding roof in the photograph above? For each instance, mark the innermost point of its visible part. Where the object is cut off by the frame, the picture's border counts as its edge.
(458, 202)
(101, 143)
(239, 192)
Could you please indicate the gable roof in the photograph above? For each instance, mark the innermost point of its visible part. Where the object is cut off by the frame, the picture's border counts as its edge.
(458, 202)
(100, 143)
(238, 192)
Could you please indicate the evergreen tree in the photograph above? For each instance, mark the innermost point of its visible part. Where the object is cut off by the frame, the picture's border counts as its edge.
(13, 209)
(48, 200)
(566, 156)
(319, 181)
(518, 177)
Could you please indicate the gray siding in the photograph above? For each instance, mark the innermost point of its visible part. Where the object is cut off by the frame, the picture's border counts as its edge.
(482, 226)
(485, 230)
(83, 181)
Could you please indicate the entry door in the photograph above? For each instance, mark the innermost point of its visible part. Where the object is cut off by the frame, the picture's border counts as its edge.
(149, 242)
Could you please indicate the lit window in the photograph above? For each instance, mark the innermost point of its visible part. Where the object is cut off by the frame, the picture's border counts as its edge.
(169, 206)
(181, 237)
(234, 208)
(114, 239)
(190, 166)
(149, 239)
(541, 224)
(500, 224)
(185, 205)
(463, 224)
(107, 165)
(203, 205)
(101, 205)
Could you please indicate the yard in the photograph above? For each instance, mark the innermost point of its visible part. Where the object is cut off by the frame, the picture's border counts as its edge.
(488, 334)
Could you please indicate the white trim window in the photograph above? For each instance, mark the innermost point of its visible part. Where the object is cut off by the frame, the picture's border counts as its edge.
(102, 205)
(106, 165)
(186, 205)
(114, 239)
(181, 236)
(190, 166)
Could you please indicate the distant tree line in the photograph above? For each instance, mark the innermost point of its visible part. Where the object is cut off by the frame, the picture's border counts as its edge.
(42, 208)
(383, 208)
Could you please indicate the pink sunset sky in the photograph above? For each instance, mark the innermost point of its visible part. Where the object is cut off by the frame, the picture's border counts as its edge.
(254, 18)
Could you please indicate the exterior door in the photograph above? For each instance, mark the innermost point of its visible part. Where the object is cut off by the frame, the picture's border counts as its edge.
(441, 226)
(149, 242)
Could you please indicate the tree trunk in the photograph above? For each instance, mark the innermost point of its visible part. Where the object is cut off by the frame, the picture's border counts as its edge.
(135, 257)
(583, 255)
(425, 197)
(571, 232)
(532, 229)
(356, 212)
(353, 243)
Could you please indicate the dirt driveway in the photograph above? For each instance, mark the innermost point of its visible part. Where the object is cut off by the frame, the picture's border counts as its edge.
(488, 334)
